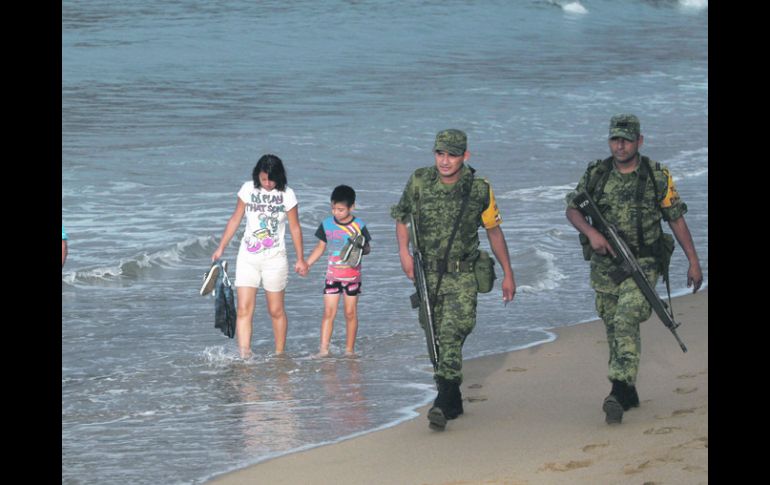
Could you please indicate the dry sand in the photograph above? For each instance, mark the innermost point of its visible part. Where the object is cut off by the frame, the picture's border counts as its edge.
(535, 416)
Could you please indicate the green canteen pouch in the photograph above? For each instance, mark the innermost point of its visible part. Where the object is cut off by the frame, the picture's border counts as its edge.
(484, 268)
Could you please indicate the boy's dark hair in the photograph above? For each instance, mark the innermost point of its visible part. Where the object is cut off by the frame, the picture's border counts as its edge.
(273, 167)
(344, 194)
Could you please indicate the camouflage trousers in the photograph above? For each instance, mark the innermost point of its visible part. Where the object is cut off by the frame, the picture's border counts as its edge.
(622, 311)
(454, 317)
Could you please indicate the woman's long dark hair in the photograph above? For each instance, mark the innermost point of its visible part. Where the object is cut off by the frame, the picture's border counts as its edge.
(273, 167)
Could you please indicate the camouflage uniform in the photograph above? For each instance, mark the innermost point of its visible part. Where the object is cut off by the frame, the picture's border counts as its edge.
(622, 306)
(435, 206)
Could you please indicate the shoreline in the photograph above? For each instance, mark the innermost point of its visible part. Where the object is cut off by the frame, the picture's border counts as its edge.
(534, 415)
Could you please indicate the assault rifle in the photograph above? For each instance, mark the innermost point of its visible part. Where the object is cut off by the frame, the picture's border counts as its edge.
(421, 299)
(628, 263)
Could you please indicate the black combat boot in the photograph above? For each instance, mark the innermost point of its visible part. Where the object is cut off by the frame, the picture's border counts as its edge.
(436, 415)
(631, 398)
(613, 404)
(455, 401)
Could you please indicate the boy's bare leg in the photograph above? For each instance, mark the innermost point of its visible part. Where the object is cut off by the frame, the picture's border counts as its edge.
(327, 322)
(247, 297)
(351, 319)
(275, 307)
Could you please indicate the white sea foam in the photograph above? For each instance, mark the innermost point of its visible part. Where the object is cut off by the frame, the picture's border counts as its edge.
(694, 4)
(689, 164)
(574, 7)
(569, 6)
(690, 174)
(546, 280)
(219, 355)
(549, 337)
(541, 192)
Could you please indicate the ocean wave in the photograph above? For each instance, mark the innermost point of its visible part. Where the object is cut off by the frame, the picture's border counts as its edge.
(542, 265)
(689, 164)
(136, 266)
(691, 174)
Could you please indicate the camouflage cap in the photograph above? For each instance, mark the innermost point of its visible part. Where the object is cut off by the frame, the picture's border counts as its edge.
(625, 126)
(451, 141)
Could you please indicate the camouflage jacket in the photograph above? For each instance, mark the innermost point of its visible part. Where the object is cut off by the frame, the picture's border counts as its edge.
(618, 203)
(435, 206)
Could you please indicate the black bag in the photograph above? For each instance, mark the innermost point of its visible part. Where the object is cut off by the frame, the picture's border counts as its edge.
(224, 303)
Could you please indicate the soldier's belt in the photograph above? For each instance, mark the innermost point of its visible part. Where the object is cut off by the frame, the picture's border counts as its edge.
(436, 266)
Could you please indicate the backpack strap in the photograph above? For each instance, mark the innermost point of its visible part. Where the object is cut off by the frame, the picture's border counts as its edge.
(665, 274)
(597, 179)
(646, 161)
(417, 184)
(641, 187)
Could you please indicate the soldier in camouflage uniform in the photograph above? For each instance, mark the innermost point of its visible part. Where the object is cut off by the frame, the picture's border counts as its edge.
(633, 193)
(434, 196)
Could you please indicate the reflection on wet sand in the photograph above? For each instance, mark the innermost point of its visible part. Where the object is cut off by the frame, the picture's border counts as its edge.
(346, 407)
(282, 399)
(263, 406)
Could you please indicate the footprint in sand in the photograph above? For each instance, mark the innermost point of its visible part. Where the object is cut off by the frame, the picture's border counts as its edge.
(695, 444)
(588, 448)
(663, 430)
(685, 390)
(680, 412)
(475, 386)
(516, 369)
(686, 376)
(477, 398)
(565, 467)
(631, 469)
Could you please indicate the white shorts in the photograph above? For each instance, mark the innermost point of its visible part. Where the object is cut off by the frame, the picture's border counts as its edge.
(272, 271)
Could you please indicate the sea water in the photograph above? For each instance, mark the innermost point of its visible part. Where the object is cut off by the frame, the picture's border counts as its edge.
(166, 107)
